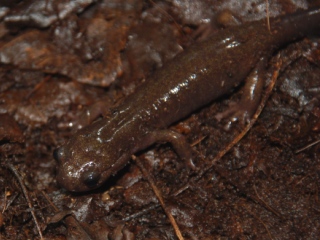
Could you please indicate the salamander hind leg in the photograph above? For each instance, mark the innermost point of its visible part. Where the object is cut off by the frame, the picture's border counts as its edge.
(244, 109)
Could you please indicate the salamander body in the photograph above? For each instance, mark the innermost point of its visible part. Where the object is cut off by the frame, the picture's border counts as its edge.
(194, 78)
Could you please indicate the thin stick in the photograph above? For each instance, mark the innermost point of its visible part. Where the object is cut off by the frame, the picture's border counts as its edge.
(5, 200)
(159, 196)
(71, 222)
(142, 212)
(50, 202)
(266, 204)
(308, 146)
(256, 217)
(268, 15)
(37, 87)
(25, 193)
(198, 141)
(171, 18)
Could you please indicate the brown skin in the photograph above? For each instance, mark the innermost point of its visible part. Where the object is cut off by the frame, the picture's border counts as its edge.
(191, 80)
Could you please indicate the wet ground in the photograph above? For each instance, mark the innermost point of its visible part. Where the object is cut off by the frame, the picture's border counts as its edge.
(60, 58)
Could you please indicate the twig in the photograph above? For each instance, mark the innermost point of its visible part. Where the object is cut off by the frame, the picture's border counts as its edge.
(5, 200)
(74, 227)
(140, 213)
(171, 18)
(308, 146)
(268, 15)
(37, 87)
(265, 204)
(26, 195)
(256, 217)
(50, 202)
(159, 196)
(198, 141)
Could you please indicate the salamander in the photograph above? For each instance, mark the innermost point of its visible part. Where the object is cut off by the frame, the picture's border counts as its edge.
(194, 78)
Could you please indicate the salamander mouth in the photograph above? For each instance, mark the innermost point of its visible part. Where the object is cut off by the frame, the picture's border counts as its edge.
(63, 178)
(68, 184)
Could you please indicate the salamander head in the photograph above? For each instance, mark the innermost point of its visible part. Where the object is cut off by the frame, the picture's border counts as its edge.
(77, 171)
(84, 162)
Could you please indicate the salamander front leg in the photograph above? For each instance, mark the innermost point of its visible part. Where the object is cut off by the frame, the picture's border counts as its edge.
(91, 113)
(178, 142)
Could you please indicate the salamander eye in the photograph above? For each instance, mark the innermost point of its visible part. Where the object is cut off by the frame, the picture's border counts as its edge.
(58, 154)
(91, 179)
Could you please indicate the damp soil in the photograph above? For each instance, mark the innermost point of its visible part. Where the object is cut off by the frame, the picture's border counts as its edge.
(59, 58)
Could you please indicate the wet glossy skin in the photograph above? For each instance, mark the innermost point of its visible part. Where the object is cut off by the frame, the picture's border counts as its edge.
(194, 78)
